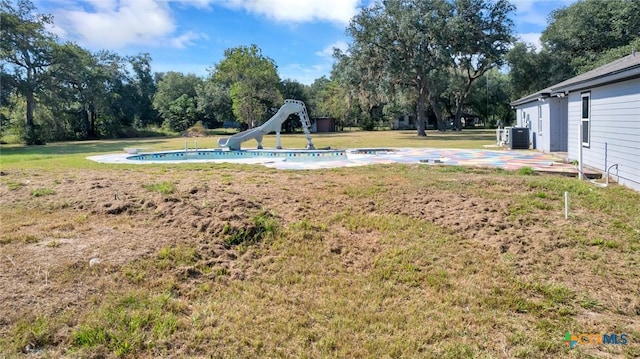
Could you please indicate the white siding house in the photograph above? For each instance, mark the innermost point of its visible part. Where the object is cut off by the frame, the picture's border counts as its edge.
(546, 118)
(603, 104)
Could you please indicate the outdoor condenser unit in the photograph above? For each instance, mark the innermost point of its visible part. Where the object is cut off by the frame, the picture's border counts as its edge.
(519, 138)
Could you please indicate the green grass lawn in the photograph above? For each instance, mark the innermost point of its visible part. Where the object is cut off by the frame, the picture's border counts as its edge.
(238, 261)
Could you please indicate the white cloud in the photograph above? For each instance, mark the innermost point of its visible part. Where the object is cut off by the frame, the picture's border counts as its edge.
(328, 51)
(117, 24)
(103, 5)
(187, 39)
(526, 13)
(338, 11)
(531, 38)
(305, 74)
(202, 4)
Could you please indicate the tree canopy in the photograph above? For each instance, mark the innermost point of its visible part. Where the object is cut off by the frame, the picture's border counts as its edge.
(30, 49)
(579, 37)
(438, 48)
(427, 59)
(176, 100)
(252, 80)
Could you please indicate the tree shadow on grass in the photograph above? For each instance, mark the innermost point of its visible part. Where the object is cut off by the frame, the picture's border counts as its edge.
(78, 147)
(451, 136)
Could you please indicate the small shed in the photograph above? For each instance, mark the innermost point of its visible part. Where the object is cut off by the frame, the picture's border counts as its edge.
(325, 124)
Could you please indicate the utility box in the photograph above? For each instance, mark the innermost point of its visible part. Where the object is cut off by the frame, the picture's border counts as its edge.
(519, 138)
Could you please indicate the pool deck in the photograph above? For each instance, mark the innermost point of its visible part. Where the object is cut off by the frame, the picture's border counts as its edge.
(506, 159)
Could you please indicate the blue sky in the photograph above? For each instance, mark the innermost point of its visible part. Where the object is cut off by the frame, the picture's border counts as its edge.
(190, 36)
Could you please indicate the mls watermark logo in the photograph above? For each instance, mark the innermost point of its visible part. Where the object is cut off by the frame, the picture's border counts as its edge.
(595, 339)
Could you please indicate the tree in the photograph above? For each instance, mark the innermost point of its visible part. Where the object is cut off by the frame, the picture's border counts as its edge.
(480, 36)
(182, 113)
(533, 71)
(612, 55)
(214, 103)
(580, 32)
(370, 70)
(318, 98)
(328, 98)
(580, 37)
(434, 47)
(116, 110)
(76, 89)
(252, 80)
(292, 89)
(490, 97)
(30, 49)
(177, 96)
(7, 98)
(144, 88)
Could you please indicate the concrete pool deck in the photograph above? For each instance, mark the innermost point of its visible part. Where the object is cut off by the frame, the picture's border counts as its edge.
(505, 159)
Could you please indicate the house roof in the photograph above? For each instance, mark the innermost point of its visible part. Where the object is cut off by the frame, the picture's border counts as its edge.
(622, 69)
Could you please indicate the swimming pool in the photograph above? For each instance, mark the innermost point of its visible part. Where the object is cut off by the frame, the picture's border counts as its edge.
(299, 159)
(233, 155)
(260, 156)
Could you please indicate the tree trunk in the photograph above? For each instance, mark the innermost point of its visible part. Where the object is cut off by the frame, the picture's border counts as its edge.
(93, 133)
(459, 103)
(31, 101)
(421, 120)
(32, 137)
(437, 110)
(457, 123)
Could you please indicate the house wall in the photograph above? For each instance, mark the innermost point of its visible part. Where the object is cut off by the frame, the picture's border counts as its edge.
(614, 130)
(547, 122)
(527, 116)
(403, 122)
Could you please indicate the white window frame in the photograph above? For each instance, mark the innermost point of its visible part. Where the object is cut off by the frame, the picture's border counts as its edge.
(540, 120)
(585, 119)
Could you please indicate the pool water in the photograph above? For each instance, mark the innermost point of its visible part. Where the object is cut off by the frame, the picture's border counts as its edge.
(216, 154)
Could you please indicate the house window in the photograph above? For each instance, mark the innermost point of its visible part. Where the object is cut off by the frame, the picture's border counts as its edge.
(540, 119)
(586, 115)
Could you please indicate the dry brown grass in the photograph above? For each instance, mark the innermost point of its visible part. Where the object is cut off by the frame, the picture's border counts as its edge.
(383, 261)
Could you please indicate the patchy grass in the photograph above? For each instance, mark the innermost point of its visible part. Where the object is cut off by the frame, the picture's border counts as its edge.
(165, 188)
(128, 324)
(376, 261)
(40, 192)
(526, 171)
(262, 224)
(13, 186)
